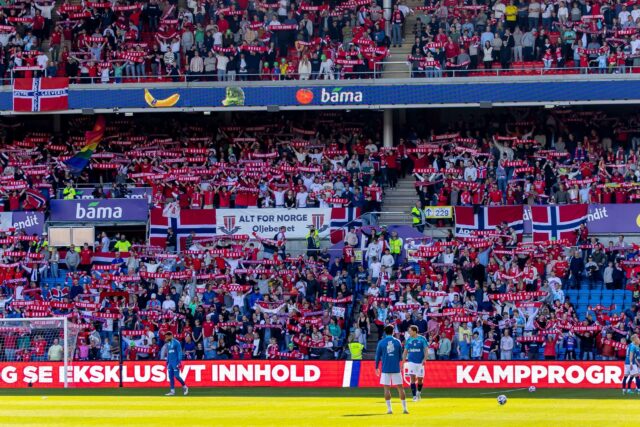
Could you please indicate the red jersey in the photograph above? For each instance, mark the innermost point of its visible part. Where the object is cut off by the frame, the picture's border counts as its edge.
(208, 196)
(560, 269)
(196, 200)
(85, 256)
(620, 196)
(224, 198)
(348, 254)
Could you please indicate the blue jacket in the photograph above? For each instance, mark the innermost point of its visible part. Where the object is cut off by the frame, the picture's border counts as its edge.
(174, 353)
(389, 352)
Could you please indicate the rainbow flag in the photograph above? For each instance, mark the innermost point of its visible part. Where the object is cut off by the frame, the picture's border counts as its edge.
(77, 163)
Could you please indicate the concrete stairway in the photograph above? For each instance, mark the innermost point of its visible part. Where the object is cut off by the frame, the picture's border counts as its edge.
(398, 202)
(397, 205)
(398, 67)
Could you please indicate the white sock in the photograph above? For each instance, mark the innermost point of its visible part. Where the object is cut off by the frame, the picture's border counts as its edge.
(388, 402)
(404, 404)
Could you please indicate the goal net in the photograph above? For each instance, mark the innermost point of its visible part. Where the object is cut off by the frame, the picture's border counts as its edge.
(38, 340)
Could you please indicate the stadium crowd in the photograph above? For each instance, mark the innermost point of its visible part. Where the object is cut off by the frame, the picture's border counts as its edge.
(248, 297)
(107, 42)
(458, 39)
(543, 157)
(93, 42)
(262, 164)
(526, 157)
(234, 297)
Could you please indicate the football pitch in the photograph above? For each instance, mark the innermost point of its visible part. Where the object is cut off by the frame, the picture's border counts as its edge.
(314, 407)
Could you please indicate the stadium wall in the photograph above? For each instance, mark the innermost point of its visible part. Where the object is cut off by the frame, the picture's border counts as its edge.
(273, 373)
(470, 92)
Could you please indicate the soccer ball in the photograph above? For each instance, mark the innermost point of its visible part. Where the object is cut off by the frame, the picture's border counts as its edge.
(502, 399)
(532, 389)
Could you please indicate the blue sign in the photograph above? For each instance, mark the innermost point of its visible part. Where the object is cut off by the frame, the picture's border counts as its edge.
(103, 210)
(348, 95)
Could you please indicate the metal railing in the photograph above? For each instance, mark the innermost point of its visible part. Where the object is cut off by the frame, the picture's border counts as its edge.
(189, 77)
(381, 71)
(432, 72)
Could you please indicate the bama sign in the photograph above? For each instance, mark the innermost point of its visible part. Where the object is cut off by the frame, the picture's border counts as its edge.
(205, 373)
(267, 222)
(103, 210)
(546, 374)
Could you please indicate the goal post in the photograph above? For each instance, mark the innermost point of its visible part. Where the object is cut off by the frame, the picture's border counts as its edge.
(39, 339)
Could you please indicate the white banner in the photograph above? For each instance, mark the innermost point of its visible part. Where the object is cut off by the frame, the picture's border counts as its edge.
(438, 212)
(267, 222)
(6, 220)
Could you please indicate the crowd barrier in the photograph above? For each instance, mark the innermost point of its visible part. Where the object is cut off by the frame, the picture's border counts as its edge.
(274, 373)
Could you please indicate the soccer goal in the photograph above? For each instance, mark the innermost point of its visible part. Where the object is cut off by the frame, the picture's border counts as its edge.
(39, 339)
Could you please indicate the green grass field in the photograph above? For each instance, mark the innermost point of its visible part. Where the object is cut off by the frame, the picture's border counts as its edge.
(314, 407)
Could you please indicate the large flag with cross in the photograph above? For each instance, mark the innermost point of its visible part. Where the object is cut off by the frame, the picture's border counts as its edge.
(41, 94)
(557, 222)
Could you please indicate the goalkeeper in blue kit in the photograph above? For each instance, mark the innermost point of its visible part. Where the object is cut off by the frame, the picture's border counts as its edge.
(415, 354)
(389, 354)
(174, 357)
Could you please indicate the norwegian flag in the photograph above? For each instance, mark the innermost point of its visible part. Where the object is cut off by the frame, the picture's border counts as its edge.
(557, 222)
(469, 219)
(200, 221)
(34, 199)
(341, 220)
(50, 94)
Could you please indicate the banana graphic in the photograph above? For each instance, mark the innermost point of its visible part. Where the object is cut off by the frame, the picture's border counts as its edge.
(161, 103)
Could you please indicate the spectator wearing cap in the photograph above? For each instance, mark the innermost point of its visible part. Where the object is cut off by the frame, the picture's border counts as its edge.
(153, 303)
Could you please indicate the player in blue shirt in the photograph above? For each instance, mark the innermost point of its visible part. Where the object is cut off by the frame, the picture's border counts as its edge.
(389, 354)
(631, 366)
(174, 357)
(415, 353)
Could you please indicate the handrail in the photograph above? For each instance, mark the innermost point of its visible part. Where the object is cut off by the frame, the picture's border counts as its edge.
(459, 72)
(381, 71)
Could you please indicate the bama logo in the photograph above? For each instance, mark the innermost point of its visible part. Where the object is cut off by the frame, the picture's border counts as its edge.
(538, 374)
(339, 96)
(95, 211)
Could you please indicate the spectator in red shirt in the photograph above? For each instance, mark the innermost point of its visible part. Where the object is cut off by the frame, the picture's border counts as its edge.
(86, 258)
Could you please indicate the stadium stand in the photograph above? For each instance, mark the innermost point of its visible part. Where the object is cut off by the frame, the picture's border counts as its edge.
(483, 296)
(104, 42)
(524, 38)
(101, 42)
